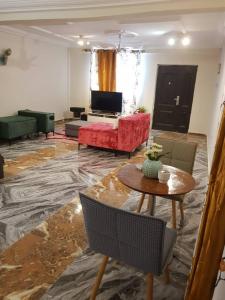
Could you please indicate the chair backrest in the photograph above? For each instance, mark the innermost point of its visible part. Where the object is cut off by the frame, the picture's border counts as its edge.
(131, 238)
(178, 154)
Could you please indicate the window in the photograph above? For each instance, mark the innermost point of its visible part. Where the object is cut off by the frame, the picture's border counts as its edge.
(128, 78)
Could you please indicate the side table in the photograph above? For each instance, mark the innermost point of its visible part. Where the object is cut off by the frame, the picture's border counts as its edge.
(77, 111)
(180, 183)
(72, 128)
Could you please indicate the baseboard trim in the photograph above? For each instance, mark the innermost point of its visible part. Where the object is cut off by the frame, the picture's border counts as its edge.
(199, 134)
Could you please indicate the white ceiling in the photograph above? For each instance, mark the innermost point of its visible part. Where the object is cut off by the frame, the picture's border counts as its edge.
(206, 29)
(18, 5)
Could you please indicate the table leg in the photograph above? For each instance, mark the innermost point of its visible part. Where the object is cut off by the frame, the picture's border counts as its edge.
(140, 203)
(174, 216)
(181, 213)
(149, 204)
(152, 208)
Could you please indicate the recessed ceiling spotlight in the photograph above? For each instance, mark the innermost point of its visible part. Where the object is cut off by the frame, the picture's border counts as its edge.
(80, 42)
(186, 41)
(171, 41)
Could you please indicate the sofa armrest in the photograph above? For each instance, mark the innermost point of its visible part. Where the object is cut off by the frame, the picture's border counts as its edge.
(133, 131)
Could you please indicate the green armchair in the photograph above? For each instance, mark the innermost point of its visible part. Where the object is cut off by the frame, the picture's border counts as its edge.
(45, 120)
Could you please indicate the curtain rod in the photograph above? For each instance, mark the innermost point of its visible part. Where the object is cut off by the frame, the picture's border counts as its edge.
(132, 51)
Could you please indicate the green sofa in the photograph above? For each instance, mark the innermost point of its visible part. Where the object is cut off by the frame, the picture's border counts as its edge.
(15, 126)
(45, 120)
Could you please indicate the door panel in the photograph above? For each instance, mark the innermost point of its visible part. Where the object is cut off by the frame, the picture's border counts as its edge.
(174, 95)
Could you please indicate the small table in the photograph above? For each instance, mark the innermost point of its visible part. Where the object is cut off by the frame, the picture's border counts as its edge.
(77, 111)
(72, 128)
(180, 183)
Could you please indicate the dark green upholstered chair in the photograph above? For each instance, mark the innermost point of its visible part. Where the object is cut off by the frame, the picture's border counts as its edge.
(45, 120)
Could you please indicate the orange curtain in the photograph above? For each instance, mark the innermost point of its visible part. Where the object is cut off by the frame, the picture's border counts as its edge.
(211, 238)
(107, 70)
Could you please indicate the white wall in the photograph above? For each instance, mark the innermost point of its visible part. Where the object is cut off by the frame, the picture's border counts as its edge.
(214, 126)
(204, 87)
(35, 76)
(217, 108)
(207, 62)
(79, 78)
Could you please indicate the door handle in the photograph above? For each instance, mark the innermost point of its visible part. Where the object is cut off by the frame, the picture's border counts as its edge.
(177, 99)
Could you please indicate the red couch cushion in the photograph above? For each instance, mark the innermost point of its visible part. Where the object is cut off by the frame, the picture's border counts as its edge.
(99, 135)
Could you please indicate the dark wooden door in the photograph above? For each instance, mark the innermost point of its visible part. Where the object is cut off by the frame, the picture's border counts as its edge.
(174, 96)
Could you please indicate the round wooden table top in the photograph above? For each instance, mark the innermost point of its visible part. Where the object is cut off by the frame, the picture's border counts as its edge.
(180, 182)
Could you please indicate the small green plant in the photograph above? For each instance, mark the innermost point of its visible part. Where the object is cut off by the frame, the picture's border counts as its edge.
(141, 109)
(153, 153)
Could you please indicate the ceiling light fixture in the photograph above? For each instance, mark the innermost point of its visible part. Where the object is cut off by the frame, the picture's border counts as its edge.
(80, 42)
(185, 41)
(171, 41)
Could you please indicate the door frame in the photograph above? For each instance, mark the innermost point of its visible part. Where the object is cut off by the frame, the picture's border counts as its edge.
(156, 83)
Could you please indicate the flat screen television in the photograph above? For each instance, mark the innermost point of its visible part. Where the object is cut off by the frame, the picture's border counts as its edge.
(106, 101)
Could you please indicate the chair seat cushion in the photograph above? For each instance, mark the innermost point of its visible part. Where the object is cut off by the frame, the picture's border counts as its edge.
(16, 126)
(99, 135)
(15, 119)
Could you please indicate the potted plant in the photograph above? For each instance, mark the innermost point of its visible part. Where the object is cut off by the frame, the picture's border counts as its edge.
(152, 164)
(140, 109)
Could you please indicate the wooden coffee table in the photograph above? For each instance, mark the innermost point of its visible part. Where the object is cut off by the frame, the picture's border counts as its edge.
(180, 183)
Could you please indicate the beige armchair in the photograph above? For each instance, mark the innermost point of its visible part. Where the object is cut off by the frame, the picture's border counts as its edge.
(181, 155)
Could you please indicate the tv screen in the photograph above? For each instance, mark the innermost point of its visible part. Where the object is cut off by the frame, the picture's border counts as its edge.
(106, 101)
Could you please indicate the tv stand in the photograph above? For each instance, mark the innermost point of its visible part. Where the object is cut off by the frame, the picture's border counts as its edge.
(103, 114)
(105, 117)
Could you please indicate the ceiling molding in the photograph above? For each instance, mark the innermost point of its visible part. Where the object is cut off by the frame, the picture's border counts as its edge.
(210, 52)
(43, 5)
(34, 36)
(150, 9)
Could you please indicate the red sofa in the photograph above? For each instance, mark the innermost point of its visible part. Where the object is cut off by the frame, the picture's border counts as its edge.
(132, 131)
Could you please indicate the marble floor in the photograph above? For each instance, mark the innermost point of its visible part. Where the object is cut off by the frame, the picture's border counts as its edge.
(43, 246)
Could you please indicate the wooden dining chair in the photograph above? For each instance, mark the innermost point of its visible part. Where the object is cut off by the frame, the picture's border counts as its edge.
(181, 155)
(140, 241)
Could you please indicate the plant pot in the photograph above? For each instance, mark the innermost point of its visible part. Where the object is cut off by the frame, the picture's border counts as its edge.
(151, 167)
